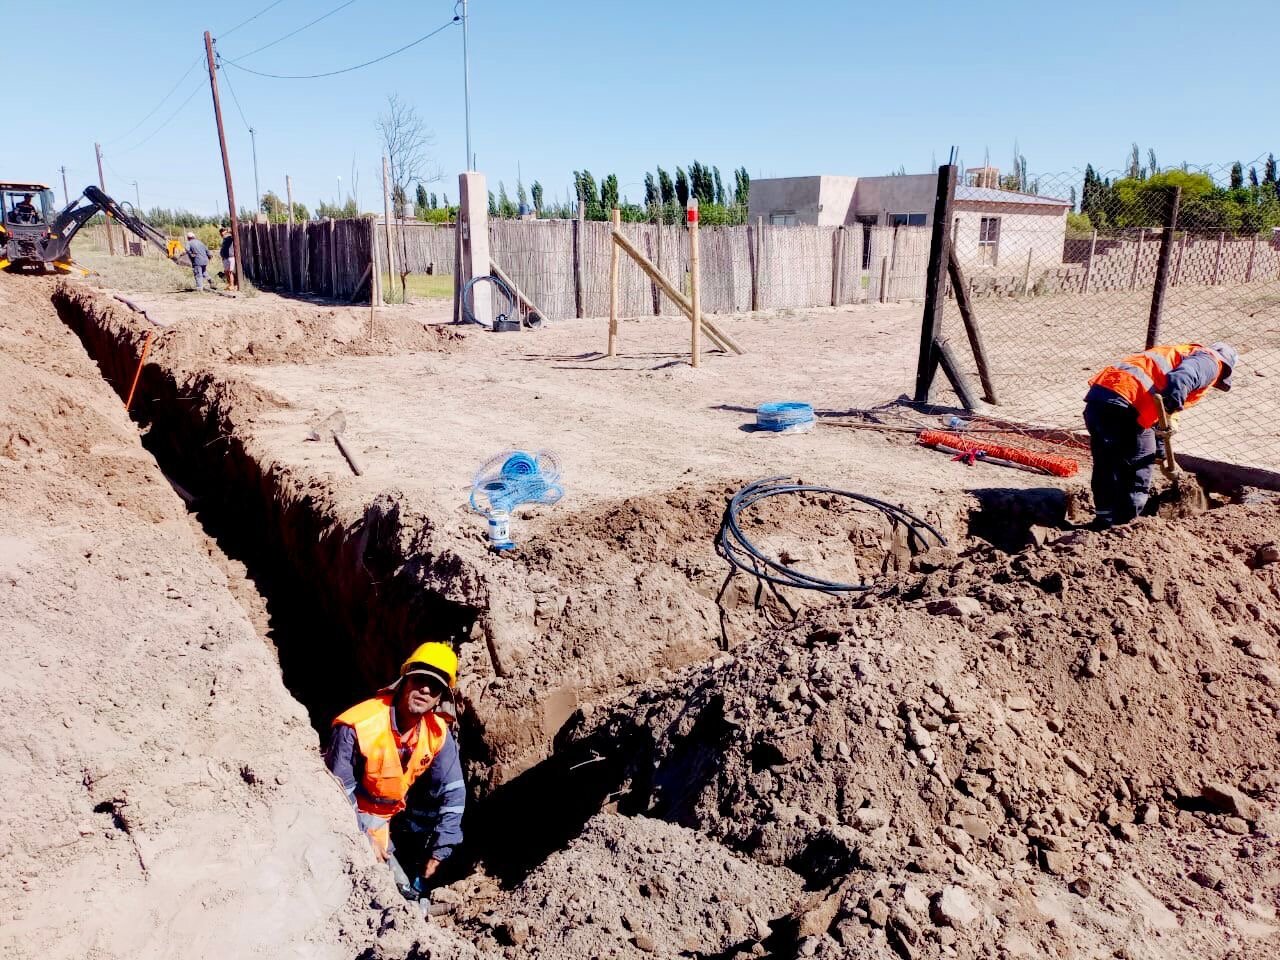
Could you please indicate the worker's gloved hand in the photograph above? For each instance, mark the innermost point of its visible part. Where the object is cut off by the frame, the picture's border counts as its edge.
(1173, 421)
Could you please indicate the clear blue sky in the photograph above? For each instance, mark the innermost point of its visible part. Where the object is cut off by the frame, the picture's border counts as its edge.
(783, 88)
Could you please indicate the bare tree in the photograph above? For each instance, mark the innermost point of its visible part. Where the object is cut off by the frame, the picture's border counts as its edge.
(407, 143)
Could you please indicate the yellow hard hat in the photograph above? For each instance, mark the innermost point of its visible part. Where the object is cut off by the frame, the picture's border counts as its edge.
(434, 659)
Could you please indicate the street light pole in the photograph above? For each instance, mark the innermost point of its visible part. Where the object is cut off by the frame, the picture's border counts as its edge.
(137, 196)
(257, 193)
(466, 86)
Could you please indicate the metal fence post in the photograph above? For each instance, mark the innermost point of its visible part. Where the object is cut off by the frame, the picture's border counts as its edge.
(935, 283)
(1162, 268)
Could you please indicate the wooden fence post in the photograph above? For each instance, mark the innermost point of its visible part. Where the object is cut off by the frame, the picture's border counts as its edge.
(616, 220)
(1026, 275)
(753, 261)
(1088, 264)
(333, 259)
(1162, 268)
(758, 294)
(935, 284)
(884, 277)
(1217, 260)
(965, 303)
(288, 190)
(577, 257)
(695, 285)
(1253, 252)
(837, 264)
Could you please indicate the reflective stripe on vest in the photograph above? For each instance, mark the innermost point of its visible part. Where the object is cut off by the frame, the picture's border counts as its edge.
(1160, 360)
(386, 780)
(1137, 373)
(1139, 376)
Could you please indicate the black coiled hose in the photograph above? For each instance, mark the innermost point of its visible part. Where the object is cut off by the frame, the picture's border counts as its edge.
(469, 316)
(736, 547)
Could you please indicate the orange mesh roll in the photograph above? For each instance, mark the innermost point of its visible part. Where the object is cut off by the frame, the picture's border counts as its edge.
(1057, 465)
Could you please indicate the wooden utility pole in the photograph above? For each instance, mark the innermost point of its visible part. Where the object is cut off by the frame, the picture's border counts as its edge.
(66, 201)
(695, 285)
(386, 216)
(102, 185)
(226, 162)
(288, 190)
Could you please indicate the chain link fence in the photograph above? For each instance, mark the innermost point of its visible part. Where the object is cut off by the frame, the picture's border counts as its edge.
(1069, 273)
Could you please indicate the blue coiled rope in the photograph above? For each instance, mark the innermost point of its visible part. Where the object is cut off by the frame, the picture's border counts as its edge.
(783, 415)
(520, 478)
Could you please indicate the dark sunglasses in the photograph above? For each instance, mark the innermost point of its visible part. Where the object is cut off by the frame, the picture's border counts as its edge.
(434, 684)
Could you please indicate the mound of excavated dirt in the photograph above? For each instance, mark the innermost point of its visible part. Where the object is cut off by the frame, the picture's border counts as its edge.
(161, 794)
(629, 887)
(1070, 751)
(263, 329)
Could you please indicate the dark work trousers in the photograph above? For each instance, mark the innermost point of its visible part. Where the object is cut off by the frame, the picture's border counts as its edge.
(1124, 455)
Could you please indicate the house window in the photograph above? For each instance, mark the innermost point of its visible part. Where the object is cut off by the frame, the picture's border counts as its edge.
(783, 218)
(989, 241)
(907, 219)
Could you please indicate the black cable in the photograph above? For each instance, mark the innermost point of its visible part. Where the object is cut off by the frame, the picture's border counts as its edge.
(736, 547)
(227, 33)
(498, 282)
(234, 98)
(167, 121)
(323, 16)
(358, 66)
(163, 99)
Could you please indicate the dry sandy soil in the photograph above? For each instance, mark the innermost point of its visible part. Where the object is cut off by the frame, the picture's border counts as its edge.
(161, 789)
(1064, 746)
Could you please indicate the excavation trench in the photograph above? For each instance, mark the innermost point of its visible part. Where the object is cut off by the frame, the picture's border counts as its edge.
(336, 595)
(342, 591)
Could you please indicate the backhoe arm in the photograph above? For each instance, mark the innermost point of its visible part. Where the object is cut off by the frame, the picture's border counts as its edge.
(75, 215)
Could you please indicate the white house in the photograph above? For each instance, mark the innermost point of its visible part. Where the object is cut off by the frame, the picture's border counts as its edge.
(994, 230)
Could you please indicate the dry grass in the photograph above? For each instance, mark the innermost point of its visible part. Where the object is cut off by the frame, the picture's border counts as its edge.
(141, 274)
(420, 286)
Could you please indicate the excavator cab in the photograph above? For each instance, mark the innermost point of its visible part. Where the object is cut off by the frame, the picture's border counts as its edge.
(26, 211)
(27, 204)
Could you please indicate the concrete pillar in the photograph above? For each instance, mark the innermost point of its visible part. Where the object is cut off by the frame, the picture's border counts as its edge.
(473, 227)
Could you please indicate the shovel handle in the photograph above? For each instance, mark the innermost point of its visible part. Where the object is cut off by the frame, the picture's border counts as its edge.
(1162, 417)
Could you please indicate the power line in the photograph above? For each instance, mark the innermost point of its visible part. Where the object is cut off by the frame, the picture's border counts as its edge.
(227, 33)
(166, 122)
(234, 98)
(358, 66)
(163, 99)
(323, 16)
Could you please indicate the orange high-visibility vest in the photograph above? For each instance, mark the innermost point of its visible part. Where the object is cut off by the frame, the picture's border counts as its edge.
(1140, 376)
(386, 780)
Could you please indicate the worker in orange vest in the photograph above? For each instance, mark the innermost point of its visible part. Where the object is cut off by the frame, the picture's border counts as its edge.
(1120, 412)
(397, 740)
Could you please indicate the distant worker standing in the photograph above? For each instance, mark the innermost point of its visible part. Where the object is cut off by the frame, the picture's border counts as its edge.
(228, 254)
(381, 747)
(1120, 412)
(199, 255)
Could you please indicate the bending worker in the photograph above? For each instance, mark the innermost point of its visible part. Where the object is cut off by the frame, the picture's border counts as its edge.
(382, 747)
(1120, 412)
